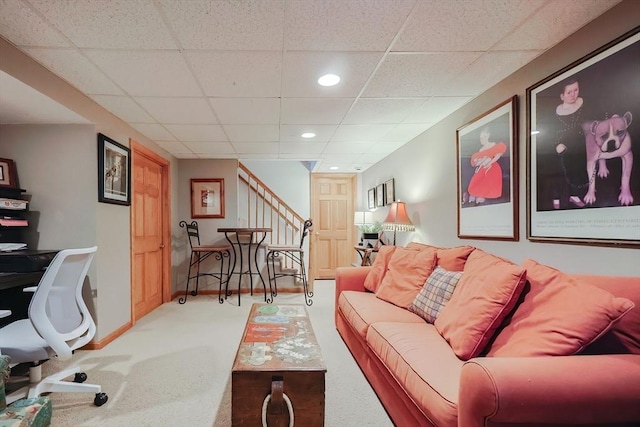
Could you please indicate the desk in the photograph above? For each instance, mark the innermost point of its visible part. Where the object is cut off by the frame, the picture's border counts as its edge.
(251, 238)
(365, 254)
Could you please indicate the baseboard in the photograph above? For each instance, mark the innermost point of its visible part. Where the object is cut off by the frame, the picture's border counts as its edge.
(97, 345)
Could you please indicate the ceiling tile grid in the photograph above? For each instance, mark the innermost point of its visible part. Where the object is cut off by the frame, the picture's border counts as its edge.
(238, 79)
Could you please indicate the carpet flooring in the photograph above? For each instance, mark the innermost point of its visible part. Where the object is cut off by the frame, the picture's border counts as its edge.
(173, 368)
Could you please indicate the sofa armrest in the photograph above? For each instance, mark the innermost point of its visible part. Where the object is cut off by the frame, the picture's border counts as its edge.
(349, 279)
(541, 390)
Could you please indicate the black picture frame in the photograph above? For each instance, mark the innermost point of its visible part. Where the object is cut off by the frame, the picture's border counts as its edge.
(487, 165)
(371, 198)
(583, 182)
(379, 195)
(114, 172)
(389, 192)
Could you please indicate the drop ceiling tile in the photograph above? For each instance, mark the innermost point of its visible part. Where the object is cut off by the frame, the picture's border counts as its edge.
(477, 25)
(344, 25)
(256, 147)
(72, 66)
(187, 156)
(301, 71)
(197, 132)
(360, 132)
(381, 110)
(291, 133)
(147, 73)
(384, 147)
(154, 132)
(555, 21)
(226, 25)
(405, 132)
(217, 156)
(129, 24)
(16, 16)
(346, 148)
(487, 71)
(201, 147)
(436, 109)
(300, 157)
(258, 156)
(408, 75)
(321, 111)
(247, 110)
(302, 147)
(124, 107)
(174, 147)
(178, 110)
(252, 133)
(241, 74)
(372, 158)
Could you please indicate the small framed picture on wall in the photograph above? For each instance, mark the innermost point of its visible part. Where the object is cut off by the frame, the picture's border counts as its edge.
(371, 198)
(380, 195)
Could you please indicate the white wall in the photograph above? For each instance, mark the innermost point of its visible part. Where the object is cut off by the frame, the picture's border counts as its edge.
(425, 169)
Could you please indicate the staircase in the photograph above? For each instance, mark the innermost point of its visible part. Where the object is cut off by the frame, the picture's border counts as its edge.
(261, 207)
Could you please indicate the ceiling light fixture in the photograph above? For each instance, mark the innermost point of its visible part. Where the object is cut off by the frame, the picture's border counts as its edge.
(308, 135)
(329, 80)
(334, 168)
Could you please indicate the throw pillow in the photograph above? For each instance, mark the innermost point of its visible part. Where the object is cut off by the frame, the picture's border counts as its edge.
(485, 295)
(408, 270)
(559, 316)
(435, 293)
(378, 268)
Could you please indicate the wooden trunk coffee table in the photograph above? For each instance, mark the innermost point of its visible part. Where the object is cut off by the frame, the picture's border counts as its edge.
(278, 366)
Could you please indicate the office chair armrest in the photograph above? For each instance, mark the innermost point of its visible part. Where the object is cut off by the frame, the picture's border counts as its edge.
(30, 289)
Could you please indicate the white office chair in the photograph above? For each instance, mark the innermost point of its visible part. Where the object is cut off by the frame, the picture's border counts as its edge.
(59, 322)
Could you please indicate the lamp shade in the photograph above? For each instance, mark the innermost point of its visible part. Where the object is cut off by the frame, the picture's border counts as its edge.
(362, 218)
(397, 219)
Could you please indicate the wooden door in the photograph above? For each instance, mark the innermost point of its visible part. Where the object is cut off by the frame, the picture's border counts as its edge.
(150, 229)
(333, 237)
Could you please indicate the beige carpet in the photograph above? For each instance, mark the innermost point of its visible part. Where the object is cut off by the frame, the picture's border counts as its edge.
(173, 368)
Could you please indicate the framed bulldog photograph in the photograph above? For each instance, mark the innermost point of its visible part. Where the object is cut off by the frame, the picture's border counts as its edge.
(583, 149)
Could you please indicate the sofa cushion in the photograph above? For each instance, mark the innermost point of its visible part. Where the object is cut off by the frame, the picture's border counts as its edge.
(454, 259)
(485, 295)
(423, 364)
(378, 268)
(435, 293)
(408, 270)
(558, 317)
(361, 309)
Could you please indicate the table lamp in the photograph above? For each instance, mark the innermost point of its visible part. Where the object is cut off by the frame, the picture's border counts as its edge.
(397, 219)
(362, 220)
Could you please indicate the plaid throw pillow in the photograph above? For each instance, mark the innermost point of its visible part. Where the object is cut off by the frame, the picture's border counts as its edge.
(435, 293)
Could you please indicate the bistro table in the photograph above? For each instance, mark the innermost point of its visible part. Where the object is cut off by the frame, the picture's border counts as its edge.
(251, 238)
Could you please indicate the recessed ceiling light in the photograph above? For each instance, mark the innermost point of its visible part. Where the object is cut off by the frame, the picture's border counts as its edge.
(308, 135)
(334, 168)
(329, 80)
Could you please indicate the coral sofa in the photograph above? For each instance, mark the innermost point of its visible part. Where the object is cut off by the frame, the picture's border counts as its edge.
(509, 345)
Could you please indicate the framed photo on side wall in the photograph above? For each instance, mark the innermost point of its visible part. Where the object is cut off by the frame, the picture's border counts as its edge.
(207, 198)
(487, 163)
(389, 192)
(7, 171)
(583, 177)
(114, 172)
(371, 198)
(379, 195)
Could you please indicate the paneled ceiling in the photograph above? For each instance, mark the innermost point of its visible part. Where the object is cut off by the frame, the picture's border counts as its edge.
(238, 79)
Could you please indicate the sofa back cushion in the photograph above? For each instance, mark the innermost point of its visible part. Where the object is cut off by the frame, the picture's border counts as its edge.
(558, 316)
(379, 268)
(486, 294)
(624, 336)
(452, 259)
(407, 271)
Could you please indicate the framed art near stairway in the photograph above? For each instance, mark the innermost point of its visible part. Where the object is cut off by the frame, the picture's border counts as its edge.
(487, 163)
(207, 198)
(583, 177)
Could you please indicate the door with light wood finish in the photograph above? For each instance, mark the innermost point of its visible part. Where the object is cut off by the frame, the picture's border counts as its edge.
(150, 229)
(332, 237)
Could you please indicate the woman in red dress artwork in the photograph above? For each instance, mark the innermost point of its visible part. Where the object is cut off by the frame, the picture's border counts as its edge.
(486, 182)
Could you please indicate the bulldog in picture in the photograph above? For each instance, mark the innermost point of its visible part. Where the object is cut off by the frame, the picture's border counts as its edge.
(608, 139)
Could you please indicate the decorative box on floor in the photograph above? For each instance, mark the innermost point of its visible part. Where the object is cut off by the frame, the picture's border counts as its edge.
(278, 374)
(34, 412)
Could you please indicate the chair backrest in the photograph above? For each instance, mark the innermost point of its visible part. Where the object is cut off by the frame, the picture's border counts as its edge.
(305, 230)
(57, 309)
(193, 234)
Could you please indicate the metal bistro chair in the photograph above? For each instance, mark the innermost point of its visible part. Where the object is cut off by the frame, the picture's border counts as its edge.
(198, 254)
(294, 254)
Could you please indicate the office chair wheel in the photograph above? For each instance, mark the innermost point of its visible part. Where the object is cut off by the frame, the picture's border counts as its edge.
(80, 377)
(100, 399)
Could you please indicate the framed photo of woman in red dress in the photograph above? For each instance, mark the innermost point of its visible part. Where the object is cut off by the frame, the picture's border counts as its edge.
(487, 174)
